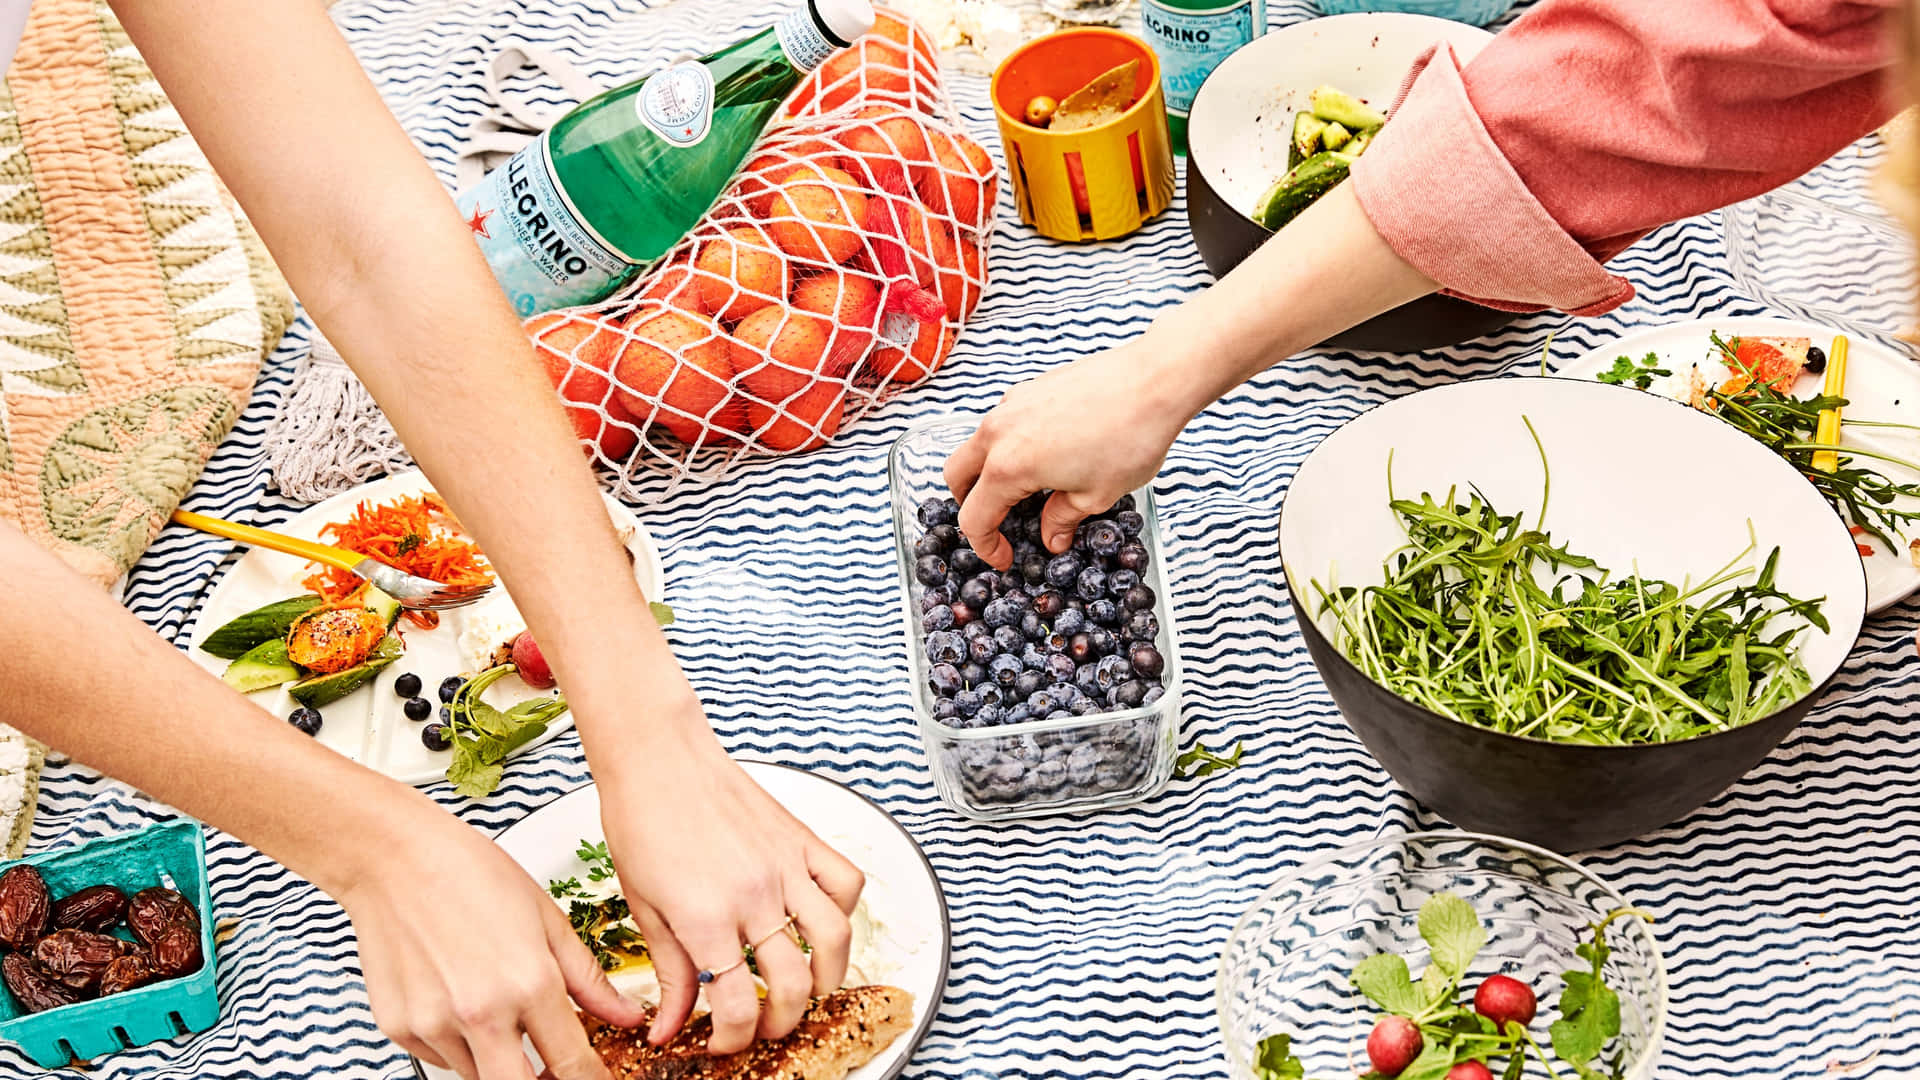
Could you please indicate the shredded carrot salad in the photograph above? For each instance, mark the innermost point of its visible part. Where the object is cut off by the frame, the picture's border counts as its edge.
(415, 533)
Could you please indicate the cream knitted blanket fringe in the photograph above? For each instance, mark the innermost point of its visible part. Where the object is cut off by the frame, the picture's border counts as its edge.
(330, 435)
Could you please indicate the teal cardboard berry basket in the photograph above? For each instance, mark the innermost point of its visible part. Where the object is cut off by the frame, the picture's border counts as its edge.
(173, 854)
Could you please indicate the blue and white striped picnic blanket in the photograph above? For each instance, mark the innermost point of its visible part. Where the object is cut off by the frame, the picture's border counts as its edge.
(1085, 946)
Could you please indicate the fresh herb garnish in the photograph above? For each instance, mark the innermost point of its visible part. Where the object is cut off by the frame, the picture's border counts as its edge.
(483, 736)
(1641, 375)
(1199, 761)
(598, 859)
(1450, 1031)
(1462, 626)
(604, 926)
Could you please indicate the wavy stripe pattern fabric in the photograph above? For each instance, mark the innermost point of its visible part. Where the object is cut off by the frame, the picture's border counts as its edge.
(1084, 947)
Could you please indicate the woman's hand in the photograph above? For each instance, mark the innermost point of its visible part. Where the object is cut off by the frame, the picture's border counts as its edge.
(709, 862)
(463, 952)
(1089, 432)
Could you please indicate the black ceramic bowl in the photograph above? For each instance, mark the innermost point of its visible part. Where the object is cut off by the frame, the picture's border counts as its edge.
(1237, 135)
(1638, 481)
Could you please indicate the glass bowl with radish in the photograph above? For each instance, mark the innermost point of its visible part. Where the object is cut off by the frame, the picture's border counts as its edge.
(1442, 956)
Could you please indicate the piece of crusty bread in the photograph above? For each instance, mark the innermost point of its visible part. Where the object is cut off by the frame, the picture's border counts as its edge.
(839, 1033)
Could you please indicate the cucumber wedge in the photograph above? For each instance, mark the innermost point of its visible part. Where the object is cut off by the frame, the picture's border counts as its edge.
(1335, 137)
(1358, 145)
(244, 632)
(261, 668)
(1302, 185)
(1306, 137)
(1339, 107)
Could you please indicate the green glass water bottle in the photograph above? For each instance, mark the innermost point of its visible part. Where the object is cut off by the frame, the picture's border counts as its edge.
(1191, 37)
(619, 180)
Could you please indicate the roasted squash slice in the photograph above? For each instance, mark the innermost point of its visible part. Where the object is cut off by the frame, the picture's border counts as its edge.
(332, 639)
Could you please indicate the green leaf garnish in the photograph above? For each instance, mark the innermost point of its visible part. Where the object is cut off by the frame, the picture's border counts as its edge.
(1274, 1060)
(1199, 761)
(1385, 981)
(1453, 934)
(1627, 373)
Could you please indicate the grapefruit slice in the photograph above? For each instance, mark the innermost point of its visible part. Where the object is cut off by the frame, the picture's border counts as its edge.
(1773, 361)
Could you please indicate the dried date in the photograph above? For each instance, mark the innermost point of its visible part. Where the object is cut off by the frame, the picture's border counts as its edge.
(33, 989)
(152, 912)
(79, 958)
(177, 952)
(126, 973)
(24, 905)
(96, 908)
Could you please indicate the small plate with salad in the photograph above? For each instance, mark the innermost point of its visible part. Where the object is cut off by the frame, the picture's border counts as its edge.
(1769, 378)
(901, 931)
(417, 696)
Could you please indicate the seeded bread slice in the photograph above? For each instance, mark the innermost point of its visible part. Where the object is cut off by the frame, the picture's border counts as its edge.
(839, 1033)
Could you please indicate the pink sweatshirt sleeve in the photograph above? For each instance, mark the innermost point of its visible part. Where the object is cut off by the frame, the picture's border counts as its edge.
(1588, 123)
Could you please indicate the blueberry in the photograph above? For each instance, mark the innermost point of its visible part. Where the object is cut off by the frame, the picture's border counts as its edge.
(989, 692)
(1077, 604)
(1033, 657)
(1048, 603)
(436, 738)
(1001, 612)
(417, 709)
(930, 570)
(1091, 585)
(1119, 581)
(1133, 557)
(1061, 667)
(988, 716)
(1019, 714)
(1105, 641)
(976, 593)
(982, 649)
(1048, 777)
(1056, 642)
(1104, 612)
(967, 702)
(1041, 702)
(965, 562)
(305, 719)
(1130, 522)
(407, 685)
(946, 647)
(962, 614)
(973, 674)
(1139, 598)
(1060, 714)
(1080, 541)
(1034, 569)
(933, 598)
(1129, 694)
(1081, 765)
(928, 545)
(1142, 626)
(1004, 669)
(1033, 627)
(976, 630)
(1104, 538)
(1064, 570)
(1816, 360)
(1011, 639)
(1146, 660)
(1111, 671)
(945, 680)
(937, 617)
(947, 536)
(1086, 707)
(937, 511)
(450, 686)
(1154, 693)
(1087, 678)
(1070, 622)
(446, 714)
(1029, 683)
(944, 711)
(1080, 648)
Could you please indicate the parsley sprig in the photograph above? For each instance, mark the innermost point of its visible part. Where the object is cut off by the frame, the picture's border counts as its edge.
(1198, 761)
(483, 736)
(1451, 1031)
(1641, 375)
(604, 926)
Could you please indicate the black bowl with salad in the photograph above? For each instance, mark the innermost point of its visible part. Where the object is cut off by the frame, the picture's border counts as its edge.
(1541, 630)
(1261, 147)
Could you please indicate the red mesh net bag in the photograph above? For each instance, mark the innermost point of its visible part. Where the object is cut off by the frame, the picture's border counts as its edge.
(836, 270)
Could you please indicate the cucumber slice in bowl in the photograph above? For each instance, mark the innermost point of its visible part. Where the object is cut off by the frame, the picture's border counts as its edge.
(1302, 185)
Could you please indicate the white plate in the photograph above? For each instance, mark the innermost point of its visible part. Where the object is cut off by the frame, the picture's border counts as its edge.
(1881, 385)
(902, 897)
(368, 725)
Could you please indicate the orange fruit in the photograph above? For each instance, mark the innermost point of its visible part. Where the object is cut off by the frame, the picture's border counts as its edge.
(889, 146)
(675, 368)
(677, 286)
(962, 275)
(741, 272)
(901, 31)
(763, 172)
(1772, 361)
(803, 422)
(817, 214)
(793, 380)
(577, 353)
(851, 302)
(962, 185)
(873, 69)
(917, 361)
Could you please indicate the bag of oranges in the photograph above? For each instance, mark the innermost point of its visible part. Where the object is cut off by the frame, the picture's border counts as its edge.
(836, 269)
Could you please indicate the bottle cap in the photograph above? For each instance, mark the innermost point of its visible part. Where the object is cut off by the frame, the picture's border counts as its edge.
(843, 20)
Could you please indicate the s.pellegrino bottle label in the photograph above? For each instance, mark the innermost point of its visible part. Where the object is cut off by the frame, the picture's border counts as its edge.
(541, 251)
(802, 40)
(1191, 40)
(677, 104)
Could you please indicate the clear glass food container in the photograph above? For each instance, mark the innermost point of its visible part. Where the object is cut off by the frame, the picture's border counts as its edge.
(1092, 762)
(1286, 966)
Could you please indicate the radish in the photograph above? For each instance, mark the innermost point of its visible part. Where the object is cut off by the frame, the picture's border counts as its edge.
(529, 664)
(1393, 1045)
(1469, 1070)
(1501, 999)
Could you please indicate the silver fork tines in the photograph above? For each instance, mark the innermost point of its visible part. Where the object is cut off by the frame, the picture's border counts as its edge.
(417, 593)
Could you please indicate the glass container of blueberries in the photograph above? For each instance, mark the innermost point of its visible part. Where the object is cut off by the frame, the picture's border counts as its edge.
(1053, 686)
